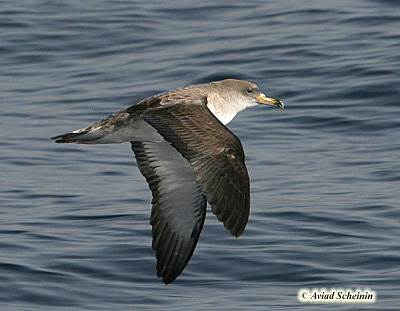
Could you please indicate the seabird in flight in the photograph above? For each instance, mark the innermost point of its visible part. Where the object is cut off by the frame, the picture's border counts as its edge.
(188, 158)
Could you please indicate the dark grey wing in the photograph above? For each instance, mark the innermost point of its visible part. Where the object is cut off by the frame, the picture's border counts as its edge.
(179, 206)
(215, 154)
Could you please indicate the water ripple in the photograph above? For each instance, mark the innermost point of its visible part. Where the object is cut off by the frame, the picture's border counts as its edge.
(74, 225)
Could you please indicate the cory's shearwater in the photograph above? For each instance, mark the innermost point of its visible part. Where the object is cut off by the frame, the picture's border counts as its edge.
(188, 158)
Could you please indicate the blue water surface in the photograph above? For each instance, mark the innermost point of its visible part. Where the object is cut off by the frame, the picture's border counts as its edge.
(325, 172)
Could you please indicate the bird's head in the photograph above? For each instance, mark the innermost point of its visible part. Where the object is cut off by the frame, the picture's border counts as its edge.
(249, 93)
(232, 96)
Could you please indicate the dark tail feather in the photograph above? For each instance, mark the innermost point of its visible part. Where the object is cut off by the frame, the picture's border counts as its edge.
(70, 137)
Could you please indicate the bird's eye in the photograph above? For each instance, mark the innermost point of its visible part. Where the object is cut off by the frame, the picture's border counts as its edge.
(249, 90)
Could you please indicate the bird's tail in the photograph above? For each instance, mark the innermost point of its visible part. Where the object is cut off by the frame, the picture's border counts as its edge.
(106, 131)
(82, 136)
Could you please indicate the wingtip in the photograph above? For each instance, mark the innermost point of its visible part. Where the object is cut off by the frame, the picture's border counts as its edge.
(167, 281)
(237, 229)
(236, 234)
(167, 277)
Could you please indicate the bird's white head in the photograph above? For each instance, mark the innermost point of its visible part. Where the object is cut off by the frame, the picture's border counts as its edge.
(228, 97)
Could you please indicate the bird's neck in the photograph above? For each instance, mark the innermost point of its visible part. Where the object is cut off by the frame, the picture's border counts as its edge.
(224, 109)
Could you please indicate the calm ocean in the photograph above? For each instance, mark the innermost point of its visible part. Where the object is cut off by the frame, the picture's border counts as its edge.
(325, 172)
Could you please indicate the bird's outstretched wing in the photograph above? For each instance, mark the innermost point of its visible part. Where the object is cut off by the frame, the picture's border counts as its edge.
(215, 154)
(179, 206)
